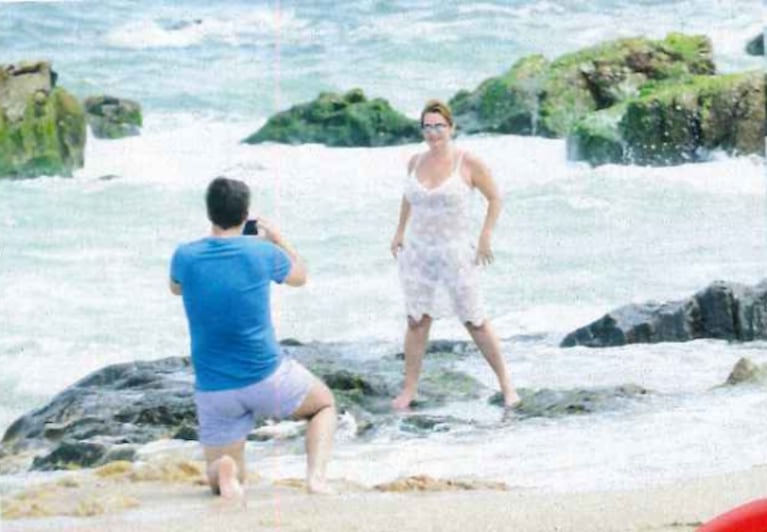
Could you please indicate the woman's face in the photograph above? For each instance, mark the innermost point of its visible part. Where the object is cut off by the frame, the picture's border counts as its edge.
(436, 129)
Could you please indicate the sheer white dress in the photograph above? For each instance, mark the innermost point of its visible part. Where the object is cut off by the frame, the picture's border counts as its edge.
(436, 262)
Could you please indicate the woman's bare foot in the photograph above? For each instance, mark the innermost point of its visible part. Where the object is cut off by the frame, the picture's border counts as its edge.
(228, 481)
(319, 486)
(402, 401)
(511, 400)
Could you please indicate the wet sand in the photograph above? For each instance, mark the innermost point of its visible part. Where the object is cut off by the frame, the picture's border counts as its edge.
(172, 498)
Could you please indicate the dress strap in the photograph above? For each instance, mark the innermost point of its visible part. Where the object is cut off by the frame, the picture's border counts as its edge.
(417, 163)
(459, 162)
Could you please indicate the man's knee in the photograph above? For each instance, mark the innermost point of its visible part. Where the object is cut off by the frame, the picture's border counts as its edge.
(319, 398)
(326, 399)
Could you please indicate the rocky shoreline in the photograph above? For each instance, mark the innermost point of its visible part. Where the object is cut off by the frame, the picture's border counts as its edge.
(108, 415)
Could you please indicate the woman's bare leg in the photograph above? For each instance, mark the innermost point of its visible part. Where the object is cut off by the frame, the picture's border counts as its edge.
(416, 337)
(487, 342)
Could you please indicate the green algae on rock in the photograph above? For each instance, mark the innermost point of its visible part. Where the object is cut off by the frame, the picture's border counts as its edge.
(333, 119)
(42, 127)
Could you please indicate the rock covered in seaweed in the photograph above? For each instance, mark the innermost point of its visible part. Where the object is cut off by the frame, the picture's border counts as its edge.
(42, 127)
(677, 123)
(333, 119)
(538, 97)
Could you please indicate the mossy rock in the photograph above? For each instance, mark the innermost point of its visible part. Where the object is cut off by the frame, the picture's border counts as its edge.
(601, 76)
(339, 120)
(597, 138)
(673, 122)
(49, 139)
(537, 97)
(681, 122)
(504, 104)
(552, 403)
(113, 118)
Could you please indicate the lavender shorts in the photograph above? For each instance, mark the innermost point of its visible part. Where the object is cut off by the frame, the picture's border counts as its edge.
(227, 416)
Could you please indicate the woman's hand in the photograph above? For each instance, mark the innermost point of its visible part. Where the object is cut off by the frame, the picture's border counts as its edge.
(396, 244)
(484, 251)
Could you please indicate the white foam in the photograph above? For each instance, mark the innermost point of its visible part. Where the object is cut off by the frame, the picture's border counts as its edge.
(256, 24)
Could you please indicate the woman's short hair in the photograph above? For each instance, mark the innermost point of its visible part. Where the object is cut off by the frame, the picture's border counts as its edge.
(440, 107)
(228, 201)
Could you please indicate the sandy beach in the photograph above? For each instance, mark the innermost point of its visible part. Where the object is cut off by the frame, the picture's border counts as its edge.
(173, 499)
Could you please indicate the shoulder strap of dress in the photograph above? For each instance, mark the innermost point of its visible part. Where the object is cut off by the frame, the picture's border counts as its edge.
(417, 162)
(459, 162)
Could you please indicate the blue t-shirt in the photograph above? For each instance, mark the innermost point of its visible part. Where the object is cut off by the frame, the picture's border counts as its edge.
(225, 284)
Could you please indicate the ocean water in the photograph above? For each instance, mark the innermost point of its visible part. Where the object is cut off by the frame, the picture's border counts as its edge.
(83, 261)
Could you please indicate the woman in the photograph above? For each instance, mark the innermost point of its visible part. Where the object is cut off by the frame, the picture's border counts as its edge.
(437, 264)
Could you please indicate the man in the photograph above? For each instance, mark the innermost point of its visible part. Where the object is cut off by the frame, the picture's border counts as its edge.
(240, 373)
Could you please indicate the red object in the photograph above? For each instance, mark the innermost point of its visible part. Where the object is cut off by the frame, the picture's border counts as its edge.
(751, 517)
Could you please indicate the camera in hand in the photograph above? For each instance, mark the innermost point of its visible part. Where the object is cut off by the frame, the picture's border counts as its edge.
(250, 228)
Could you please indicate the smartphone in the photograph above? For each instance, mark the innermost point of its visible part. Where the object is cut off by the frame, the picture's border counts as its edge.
(250, 228)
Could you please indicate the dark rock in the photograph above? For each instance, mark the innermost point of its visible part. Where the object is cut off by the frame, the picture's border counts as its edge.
(292, 342)
(339, 120)
(426, 424)
(450, 347)
(186, 432)
(111, 412)
(726, 311)
(131, 403)
(756, 45)
(350, 389)
(556, 403)
(113, 118)
(69, 455)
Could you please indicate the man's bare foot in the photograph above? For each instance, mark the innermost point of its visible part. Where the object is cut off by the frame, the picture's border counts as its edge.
(402, 401)
(228, 481)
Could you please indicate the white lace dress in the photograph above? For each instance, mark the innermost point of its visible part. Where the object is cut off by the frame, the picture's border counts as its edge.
(436, 262)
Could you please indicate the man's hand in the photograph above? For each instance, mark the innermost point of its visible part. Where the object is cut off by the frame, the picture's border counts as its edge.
(268, 230)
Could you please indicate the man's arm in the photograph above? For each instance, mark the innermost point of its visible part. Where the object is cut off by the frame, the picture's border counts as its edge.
(297, 274)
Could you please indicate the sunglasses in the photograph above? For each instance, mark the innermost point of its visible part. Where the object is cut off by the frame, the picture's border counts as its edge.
(437, 128)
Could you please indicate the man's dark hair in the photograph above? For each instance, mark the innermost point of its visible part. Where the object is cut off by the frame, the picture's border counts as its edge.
(228, 201)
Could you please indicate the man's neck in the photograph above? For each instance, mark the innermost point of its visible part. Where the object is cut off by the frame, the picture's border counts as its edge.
(219, 232)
